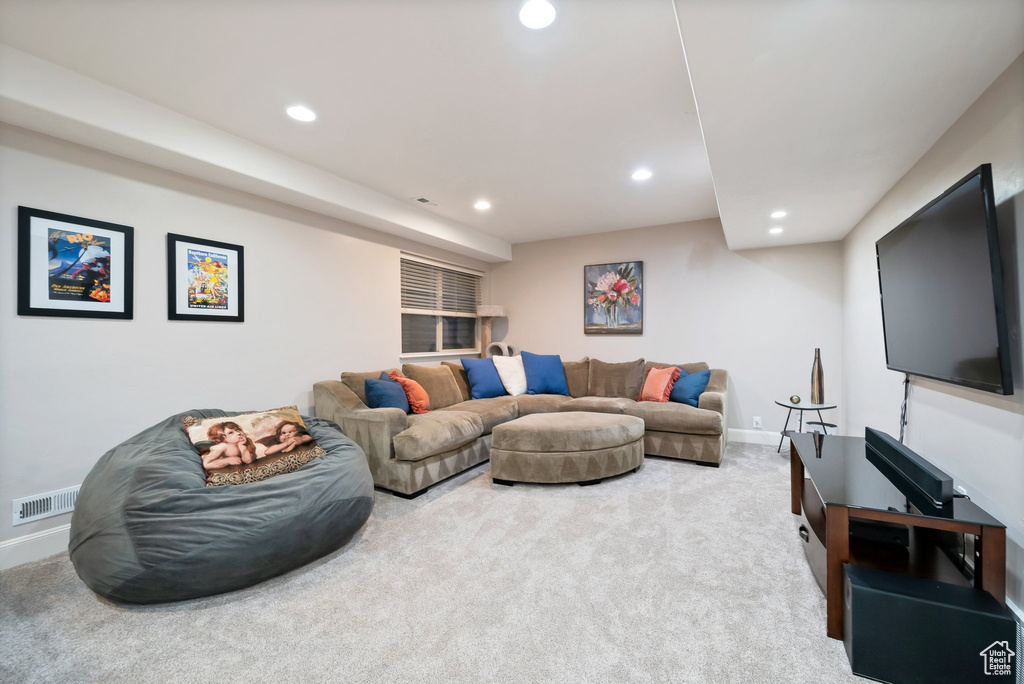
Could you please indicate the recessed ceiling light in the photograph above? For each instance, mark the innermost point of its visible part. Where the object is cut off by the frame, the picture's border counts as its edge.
(778, 214)
(301, 113)
(641, 174)
(537, 14)
(775, 231)
(482, 205)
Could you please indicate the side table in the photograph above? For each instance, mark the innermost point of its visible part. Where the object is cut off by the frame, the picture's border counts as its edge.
(786, 403)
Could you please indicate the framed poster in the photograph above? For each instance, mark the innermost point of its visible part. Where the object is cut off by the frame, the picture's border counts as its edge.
(73, 266)
(205, 280)
(613, 302)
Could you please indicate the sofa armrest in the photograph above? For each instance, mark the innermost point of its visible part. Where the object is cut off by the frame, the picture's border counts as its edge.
(712, 401)
(716, 398)
(372, 429)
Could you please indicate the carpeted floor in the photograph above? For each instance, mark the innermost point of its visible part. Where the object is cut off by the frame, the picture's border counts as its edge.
(678, 573)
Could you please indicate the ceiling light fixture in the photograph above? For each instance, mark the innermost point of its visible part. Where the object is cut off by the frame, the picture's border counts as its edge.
(778, 214)
(537, 14)
(301, 113)
(775, 231)
(482, 205)
(641, 174)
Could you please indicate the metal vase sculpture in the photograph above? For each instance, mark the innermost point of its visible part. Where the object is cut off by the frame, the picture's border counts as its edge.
(817, 380)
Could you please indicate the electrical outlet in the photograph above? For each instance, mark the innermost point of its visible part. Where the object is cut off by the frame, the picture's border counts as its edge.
(757, 422)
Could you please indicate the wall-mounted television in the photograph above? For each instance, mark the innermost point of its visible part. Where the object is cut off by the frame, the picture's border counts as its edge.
(943, 309)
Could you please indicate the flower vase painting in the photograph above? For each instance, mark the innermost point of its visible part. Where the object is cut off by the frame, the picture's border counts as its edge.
(613, 299)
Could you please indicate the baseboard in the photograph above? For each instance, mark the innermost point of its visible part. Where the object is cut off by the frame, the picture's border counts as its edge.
(754, 437)
(33, 547)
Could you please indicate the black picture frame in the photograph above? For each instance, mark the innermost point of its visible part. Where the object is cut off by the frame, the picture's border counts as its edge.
(223, 303)
(51, 285)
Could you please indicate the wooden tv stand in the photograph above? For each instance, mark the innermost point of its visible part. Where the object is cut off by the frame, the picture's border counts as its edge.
(833, 482)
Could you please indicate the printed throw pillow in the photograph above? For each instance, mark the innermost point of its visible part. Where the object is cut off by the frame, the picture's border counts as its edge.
(690, 386)
(659, 383)
(484, 381)
(419, 401)
(252, 446)
(513, 376)
(544, 374)
(386, 393)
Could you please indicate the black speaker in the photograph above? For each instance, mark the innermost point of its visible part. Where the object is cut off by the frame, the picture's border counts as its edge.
(907, 630)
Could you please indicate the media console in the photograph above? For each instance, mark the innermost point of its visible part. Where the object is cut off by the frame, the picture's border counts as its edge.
(838, 484)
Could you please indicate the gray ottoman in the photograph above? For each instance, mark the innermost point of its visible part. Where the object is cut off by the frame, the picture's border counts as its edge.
(574, 446)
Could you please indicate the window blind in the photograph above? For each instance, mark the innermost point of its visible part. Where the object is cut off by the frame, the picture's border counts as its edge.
(438, 307)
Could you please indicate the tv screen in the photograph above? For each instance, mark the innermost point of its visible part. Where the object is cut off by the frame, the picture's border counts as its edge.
(942, 290)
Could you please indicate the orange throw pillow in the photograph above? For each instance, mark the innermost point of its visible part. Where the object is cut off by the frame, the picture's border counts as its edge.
(419, 402)
(658, 385)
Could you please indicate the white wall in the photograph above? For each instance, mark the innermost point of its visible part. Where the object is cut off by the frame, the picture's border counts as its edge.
(322, 296)
(757, 313)
(976, 437)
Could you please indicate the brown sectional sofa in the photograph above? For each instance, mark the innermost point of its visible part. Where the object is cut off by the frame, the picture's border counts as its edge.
(409, 453)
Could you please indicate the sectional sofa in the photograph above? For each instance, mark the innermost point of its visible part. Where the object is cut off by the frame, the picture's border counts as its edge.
(409, 453)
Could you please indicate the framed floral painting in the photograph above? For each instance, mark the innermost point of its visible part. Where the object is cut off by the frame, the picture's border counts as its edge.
(613, 299)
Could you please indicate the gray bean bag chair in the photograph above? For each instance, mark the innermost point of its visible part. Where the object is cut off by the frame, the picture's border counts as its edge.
(147, 529)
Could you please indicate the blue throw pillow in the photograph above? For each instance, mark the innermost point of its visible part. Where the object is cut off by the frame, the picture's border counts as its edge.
(544, 374)
(386, 393)
(690, 386)
(484, 381)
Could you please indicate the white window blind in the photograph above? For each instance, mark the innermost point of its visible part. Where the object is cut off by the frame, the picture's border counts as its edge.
(439, 305)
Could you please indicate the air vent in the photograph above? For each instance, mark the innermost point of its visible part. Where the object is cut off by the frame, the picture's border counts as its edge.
(425, 201)
(44, 505)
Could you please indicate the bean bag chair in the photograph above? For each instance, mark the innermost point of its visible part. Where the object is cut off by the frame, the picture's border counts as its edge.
(147, 529)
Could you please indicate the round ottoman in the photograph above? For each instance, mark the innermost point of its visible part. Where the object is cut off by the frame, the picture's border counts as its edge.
(573, 446)
(146, 528)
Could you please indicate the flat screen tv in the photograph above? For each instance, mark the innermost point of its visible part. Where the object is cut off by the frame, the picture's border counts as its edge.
(943, 310)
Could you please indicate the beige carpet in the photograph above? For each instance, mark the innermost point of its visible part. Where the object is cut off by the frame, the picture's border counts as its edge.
(678, 573)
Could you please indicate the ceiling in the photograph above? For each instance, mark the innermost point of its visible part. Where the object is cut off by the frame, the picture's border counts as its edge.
(452, 100)
(818, 107)
(813, 106)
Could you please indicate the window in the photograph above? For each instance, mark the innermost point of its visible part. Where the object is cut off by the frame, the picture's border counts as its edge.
(438, 307)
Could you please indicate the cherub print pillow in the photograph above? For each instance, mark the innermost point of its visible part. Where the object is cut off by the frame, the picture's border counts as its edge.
(252, 446)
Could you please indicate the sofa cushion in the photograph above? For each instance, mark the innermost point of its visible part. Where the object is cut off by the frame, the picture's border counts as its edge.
(673, 417)
(539, 403)
(461, 379)
(544, 374)
(438, 381)
(484, 381)
(615, 379)
(688, 367)
(567, 432)
(493, 411)
(386, 393)
(690, 386)
(436, 432)
(577, 374)
(597, 404)
(512, 373)
(356, 381)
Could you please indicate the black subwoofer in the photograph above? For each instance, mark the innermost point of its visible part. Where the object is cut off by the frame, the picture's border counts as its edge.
(906, 630)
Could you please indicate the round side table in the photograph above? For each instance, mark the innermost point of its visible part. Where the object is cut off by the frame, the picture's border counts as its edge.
(786, 403)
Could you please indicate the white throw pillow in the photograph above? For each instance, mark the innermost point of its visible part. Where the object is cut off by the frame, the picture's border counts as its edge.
(512, 374)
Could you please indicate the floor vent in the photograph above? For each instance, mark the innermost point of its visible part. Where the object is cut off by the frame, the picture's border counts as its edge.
(44, 505)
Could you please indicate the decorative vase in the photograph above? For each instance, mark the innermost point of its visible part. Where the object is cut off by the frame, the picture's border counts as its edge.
(613, 316)
(817, 380)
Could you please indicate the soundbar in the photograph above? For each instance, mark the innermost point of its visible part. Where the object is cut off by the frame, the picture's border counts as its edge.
(936, 485)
